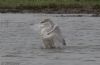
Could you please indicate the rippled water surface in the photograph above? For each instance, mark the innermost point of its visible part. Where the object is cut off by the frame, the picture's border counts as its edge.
(20, 44)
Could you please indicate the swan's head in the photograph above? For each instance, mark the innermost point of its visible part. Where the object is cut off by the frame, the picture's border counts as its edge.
(47, 23)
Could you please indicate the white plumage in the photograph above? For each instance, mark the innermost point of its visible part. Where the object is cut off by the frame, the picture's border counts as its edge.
(51, 35)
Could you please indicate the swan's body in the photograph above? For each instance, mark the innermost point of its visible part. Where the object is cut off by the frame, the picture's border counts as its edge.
(51, 35)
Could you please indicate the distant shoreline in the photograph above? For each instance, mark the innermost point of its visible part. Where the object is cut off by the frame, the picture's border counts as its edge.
(51, 6)
(52, 11)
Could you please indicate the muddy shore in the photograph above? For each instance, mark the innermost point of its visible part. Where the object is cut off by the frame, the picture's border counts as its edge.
(79, 12)
(53, 11)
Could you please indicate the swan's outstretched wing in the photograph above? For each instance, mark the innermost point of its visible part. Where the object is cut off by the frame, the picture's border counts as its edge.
(60, 38)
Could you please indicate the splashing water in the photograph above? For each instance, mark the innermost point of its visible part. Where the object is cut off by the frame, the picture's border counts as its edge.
(36, 27)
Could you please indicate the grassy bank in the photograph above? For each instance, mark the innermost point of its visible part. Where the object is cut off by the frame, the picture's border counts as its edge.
(51, 6)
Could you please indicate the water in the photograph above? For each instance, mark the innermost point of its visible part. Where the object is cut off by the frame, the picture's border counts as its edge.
(20, 44)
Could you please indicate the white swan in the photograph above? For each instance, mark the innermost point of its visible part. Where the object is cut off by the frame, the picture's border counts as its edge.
(51, 35)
